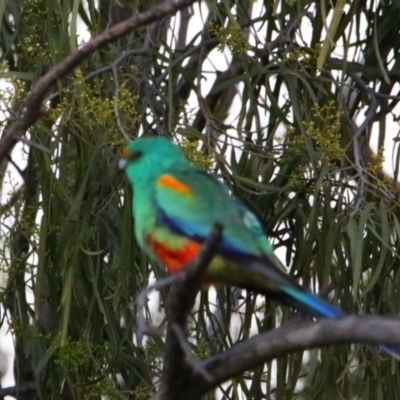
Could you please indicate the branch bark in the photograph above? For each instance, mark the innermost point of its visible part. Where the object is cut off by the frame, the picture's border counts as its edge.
(177, 368)
(287, 339)
(32, 110)
(185, 379)
(26, 388)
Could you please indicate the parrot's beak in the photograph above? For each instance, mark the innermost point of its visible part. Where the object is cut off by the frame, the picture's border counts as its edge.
(122, 163)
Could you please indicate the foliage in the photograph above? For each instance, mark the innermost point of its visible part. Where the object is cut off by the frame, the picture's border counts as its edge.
(282, 111)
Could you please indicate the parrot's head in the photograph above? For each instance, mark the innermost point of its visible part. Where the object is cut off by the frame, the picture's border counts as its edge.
(148, 158)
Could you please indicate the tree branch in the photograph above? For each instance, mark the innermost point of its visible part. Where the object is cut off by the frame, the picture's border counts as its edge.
(301, 336)
(32, 110)
(286, 339)
(177, 369)
(23, 388)
(184, 379)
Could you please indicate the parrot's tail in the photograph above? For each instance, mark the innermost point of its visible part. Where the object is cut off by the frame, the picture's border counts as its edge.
(283, 288)
(263, 276)
(318, 307)
(390, 350)
(310, 303)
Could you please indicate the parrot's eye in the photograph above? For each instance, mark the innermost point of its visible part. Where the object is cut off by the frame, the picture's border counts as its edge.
(135, 155)
(130, 156)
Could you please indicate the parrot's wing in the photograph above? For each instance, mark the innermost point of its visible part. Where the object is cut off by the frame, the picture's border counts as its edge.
(190, 202)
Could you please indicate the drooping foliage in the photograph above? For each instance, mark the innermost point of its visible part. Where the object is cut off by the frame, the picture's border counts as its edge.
(292, 103)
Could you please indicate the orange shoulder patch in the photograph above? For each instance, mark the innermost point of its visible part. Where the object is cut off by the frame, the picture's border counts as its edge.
(169, 182)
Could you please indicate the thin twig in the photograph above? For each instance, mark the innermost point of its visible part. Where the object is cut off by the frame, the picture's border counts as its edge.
(142, 299)
(358, 160)
(116, 98)
(89, 76)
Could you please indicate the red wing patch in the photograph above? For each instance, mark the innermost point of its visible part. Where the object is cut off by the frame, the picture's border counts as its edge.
(174, 260)
(169, 182)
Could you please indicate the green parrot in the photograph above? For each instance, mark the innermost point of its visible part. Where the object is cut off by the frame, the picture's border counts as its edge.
(176, 205)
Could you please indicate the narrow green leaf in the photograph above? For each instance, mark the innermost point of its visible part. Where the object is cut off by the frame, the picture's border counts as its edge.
(331, 31)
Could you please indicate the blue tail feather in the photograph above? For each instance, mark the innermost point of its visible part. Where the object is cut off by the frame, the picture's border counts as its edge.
(320, 308)
(282, 287)
(391, 350)
(312, 304)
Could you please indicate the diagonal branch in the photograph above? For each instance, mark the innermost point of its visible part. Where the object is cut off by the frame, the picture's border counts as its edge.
(289, 338)
(32, 111)
(301, 336)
